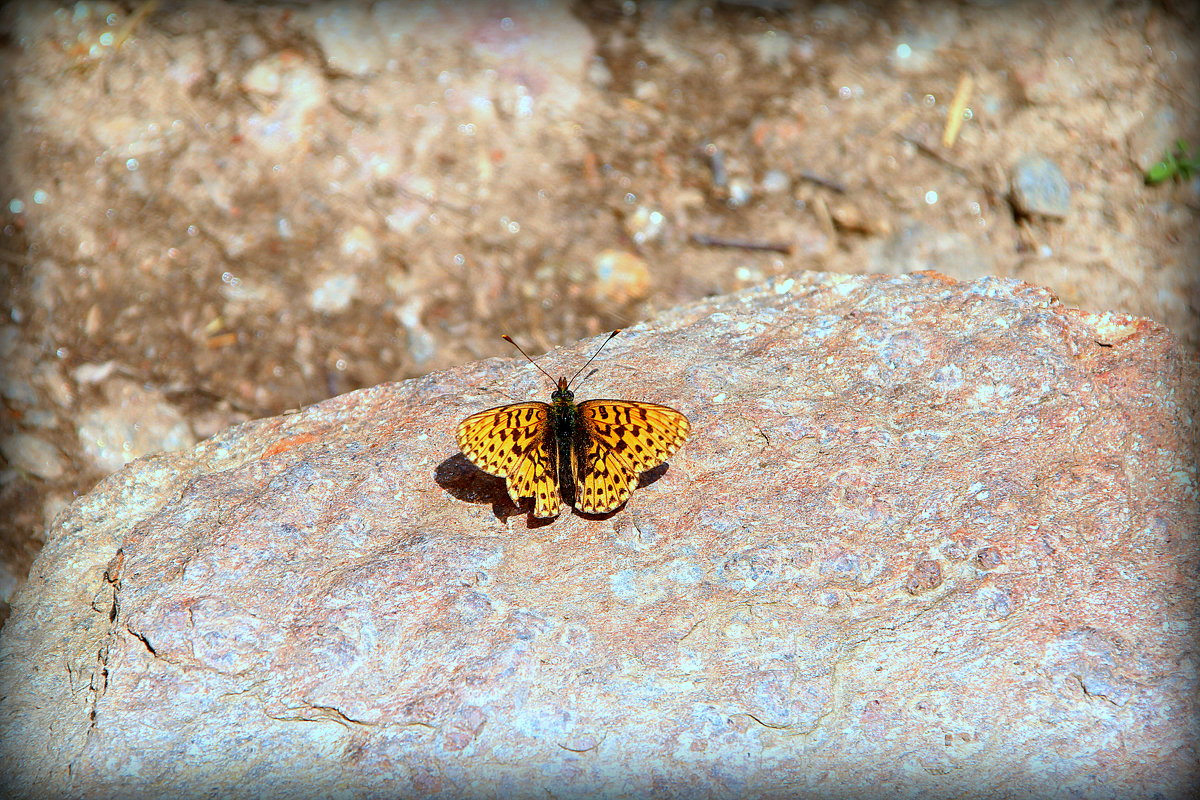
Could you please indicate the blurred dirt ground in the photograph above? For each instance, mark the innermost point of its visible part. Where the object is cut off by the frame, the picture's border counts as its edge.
(218, 212)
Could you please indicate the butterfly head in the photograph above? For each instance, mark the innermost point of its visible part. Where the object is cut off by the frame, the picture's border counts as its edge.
(562, 394)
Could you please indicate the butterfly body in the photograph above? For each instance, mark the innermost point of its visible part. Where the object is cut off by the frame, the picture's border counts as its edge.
(590, 452)
(564, 419)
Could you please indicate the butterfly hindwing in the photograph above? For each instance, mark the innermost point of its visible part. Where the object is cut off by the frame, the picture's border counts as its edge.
(603, 478)
(617, 440)
(515, 442)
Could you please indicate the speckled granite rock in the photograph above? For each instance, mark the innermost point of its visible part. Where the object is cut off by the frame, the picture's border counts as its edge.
(929, 539)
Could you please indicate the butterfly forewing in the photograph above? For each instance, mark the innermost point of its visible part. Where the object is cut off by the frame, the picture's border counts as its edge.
(645, 434)
(514, 442)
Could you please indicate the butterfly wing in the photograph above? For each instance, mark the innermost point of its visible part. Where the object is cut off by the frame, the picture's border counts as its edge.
(515, 442)
(617, 440)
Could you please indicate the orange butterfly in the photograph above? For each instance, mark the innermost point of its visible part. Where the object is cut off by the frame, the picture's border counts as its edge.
(598, 447)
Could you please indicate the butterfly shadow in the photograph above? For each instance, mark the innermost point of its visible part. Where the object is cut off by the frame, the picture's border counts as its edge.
(467, 482)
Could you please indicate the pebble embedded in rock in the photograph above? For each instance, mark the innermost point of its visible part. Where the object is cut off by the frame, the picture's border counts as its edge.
(134, 424)
(645, 224)
(620, 276)
(334, 294)
(776, 182)
(1039, 188)
(17, 359)
(18, 391)
(49, 375)
(916, 246)
(296, 89)
(358, 244)
(351, 39)
(740, 193)
(93, 373)
(33, 454)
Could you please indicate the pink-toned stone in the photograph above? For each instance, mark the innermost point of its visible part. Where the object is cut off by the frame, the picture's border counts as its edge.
(928, 539)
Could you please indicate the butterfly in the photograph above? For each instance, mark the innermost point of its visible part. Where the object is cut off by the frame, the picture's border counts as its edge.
(592, 452)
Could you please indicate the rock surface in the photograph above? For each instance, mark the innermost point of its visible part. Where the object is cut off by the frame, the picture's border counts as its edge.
(929, 539)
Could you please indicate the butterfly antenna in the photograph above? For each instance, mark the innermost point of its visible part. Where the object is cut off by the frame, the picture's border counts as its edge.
(509, 339)
(593, 358)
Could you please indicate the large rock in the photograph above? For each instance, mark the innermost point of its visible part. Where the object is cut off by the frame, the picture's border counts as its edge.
(929, 539)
